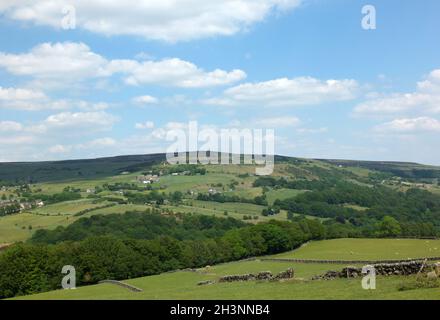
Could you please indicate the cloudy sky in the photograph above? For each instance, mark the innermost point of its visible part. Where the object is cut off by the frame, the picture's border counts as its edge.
(129, 70)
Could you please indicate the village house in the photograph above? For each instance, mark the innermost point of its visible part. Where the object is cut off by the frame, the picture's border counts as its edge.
(25, 206)
(148, 179)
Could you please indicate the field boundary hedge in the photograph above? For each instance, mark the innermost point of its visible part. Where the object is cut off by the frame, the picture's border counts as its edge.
(347, 261)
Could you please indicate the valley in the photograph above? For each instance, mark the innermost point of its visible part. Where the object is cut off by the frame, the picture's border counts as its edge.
(175, 218)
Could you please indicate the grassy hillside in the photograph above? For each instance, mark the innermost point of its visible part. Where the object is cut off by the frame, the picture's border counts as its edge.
(230, 180)
(109, 166)
(366, 249)
(183, 284)
(401, 169)
(75, 169)
(301, 200)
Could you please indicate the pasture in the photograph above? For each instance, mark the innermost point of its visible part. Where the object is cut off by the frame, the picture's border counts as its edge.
(366, 249)
(20, 227)
(183, 284)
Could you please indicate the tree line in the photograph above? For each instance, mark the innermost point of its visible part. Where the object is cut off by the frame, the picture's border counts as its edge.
(34, 267)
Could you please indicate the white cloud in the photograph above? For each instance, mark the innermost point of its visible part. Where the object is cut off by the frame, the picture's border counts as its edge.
(68, 63)
(98, 120)
(8, 126)
(277, 122)
(312, 130)
(35, 100)
(145, 125)
(27, 99)
(98, 143)
(93, 144)
(158, 20)
(410, 125)
(59, 126)
(16, 140)
(173, 72)
(425, 99)
(399, 103)
(68, 60)
(14, 94)
(287, 92)
(143, 100)
(91, 106)
(59, 148)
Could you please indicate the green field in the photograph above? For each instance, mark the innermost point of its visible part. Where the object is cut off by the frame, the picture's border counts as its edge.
(183, 284)
(15, 228)
(355, 178)
(195, 183)
(68, 207)
(281, 194)
(366, 249)
(234, 210)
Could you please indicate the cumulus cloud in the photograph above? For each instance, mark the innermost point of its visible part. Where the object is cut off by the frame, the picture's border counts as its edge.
(28, 99)
(44, 140)
(287, 92)
(277, 122)
(16, 140)
(425, 99)
(174, 72)
(68, 60)
(312, 130)
(410, 125)
(145, 125)
(98, 143)
(59, 148)
(8, 126)
(158, 20)
(97, 120)
(56, 64)
(143, 100)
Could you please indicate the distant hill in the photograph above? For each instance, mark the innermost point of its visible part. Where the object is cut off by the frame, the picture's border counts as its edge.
(400, 169)
(101, 167)
(74, 169)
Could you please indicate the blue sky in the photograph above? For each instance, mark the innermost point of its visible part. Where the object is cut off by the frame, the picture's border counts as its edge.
(132, 70)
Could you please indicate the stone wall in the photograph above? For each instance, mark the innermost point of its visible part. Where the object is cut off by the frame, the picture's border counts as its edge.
(347, 262)
(123, 285)
(382, 269)
(265, 275)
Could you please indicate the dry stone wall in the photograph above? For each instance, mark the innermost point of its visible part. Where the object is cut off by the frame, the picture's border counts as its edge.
(265, 275)
(123, 285)
(382, 269)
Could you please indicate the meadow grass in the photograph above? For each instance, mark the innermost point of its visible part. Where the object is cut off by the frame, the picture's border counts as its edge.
(199, 183)
(281, 194)
(366, 249)
(15, 227)
(68, 207)
(183, 284)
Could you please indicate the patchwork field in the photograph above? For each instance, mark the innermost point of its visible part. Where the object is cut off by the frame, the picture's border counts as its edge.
(183, 284)
(16, 227)
(343, 200)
